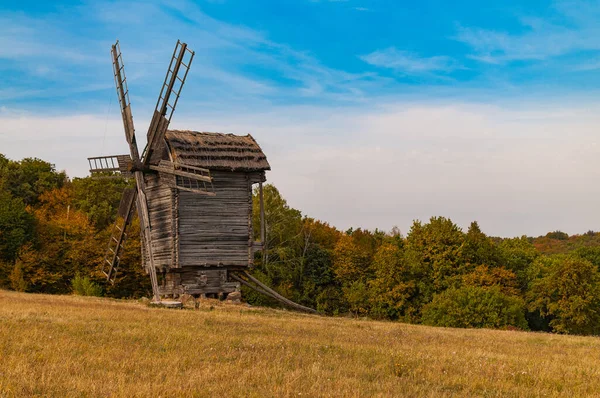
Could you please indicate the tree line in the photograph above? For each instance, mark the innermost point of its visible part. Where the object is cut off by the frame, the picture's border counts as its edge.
(54, 231)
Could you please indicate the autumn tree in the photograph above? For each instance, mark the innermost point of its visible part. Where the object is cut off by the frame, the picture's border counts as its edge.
(99, 198)
(350, 263)
(485, 276)
(65, 245)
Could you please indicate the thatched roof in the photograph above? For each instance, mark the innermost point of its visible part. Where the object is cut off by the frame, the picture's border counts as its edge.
(216, 151)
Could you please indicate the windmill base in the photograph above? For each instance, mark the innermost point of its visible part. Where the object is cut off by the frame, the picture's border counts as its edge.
(217, 283)
(167, 304)
(197, 281)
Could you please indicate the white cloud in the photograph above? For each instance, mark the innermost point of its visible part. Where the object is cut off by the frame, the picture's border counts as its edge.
(517, 169)
(573, 28)
(407, 62)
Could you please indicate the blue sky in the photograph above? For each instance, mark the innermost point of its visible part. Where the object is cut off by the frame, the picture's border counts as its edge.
(333, 53)
(412, 109)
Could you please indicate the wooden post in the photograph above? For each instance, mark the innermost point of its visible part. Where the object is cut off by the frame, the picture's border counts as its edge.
(262, 215)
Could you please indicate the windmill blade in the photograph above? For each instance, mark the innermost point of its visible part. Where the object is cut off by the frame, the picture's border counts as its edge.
(110, 166)
(142, 202)
(168, 97)
(184, 177)
(118, 235)
(124, 103)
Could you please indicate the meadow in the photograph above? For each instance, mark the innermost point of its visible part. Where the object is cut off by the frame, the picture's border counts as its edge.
(71, 346)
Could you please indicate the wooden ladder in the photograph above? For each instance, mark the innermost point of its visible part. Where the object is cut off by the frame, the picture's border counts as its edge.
(118, 236)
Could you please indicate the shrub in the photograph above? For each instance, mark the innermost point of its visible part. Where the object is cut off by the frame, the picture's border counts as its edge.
(475, 307)
(17, 282)
(331, 301)
(85, 287)
(357, 296)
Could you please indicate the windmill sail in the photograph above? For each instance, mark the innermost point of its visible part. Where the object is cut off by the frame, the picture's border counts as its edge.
(110, 165)
(142, 203)
(123, 96)
(168, 98)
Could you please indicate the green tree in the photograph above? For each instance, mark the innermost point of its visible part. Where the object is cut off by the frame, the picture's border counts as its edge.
(99, 198)
(3, 165)
(356, 294)
(590, 253)
(568, 294)
(282, 229)
(517, 255)
(558, 235)
(30, 177)
(318, 274)
(392, 290)
(478, 249)
(433, 252)
(287, 241)
(331, 301)
(16, 226)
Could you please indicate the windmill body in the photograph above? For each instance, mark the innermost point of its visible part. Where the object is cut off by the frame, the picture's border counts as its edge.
(198, 239)
(193, 196)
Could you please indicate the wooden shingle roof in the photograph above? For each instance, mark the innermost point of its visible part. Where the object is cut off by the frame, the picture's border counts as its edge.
(216, 151)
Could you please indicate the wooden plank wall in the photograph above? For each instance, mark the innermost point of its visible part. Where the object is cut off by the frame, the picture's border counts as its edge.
(193, 230)
(160, 207)
(214, 230)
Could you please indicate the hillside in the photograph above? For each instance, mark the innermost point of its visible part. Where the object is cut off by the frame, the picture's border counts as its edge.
(80, 346)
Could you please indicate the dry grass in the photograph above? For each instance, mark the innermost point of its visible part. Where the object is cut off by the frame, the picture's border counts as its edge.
(77, 346)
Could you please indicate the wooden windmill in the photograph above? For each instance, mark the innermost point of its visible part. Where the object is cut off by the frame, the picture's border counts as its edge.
(193, 194)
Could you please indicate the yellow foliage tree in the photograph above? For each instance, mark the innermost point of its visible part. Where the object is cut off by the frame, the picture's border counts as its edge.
(350, 264)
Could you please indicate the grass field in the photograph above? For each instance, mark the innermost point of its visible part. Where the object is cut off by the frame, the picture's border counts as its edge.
(78, 346)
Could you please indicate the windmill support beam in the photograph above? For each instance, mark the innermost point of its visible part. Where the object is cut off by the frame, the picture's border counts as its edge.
(146, 233)
(167, 170)
(264, 289)
(262, 215)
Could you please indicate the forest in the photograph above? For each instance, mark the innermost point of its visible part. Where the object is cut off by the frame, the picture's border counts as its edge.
(53, 234)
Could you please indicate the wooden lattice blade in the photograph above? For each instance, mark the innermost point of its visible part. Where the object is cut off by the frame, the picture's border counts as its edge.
(110, 165)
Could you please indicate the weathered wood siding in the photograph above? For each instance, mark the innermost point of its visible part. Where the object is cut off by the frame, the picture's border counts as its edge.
(214, 230)
(160, 206)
